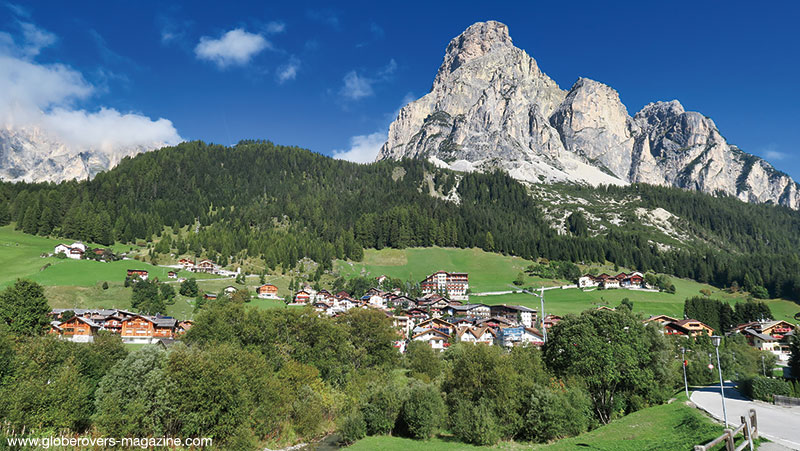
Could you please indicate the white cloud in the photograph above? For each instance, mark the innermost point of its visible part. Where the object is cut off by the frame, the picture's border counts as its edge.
(276, 27)
(289, 70)
(771, 152)
(363, 148)
(235, 47)
(36, 38)
(356, 87)
(43, 96)
(388, 70)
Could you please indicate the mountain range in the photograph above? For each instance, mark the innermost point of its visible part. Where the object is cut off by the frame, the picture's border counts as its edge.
(491, 106)
(32, 154)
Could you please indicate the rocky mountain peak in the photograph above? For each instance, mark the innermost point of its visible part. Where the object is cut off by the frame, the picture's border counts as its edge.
(492, 107)
(476, 41)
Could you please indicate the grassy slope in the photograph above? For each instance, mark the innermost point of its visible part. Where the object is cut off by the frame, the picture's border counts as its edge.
(495, 272)
(666, 427)
(487, 271)
(20, 256)
(78, 283)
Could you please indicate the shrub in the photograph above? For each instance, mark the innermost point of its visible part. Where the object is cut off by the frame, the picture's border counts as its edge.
(353, 428)
(475, 423)
(422, 360)
(423, 411)
(383, 409)
(555, 413)
(763, 388)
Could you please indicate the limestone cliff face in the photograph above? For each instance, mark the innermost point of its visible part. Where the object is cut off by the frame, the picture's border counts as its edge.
(492, 107)
(489, 107)
(31, 155)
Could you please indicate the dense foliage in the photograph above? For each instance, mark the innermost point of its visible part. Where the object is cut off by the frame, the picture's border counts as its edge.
(762, 388)
(249, 378)
(280, 204)
(23, 308)
(721, 317)
(622, 362)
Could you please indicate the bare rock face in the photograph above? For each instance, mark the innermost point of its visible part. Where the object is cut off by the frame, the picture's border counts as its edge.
(492, 107)
(31, 155)
(594, 124)
(489, 108)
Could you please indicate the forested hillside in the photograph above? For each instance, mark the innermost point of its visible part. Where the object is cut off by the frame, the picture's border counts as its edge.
(280, 204)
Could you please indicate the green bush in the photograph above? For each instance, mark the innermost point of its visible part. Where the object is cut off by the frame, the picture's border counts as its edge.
(475, 423)
(763, 388)
(383, 409)
(423, 411)
(353, 428)
(555, 413)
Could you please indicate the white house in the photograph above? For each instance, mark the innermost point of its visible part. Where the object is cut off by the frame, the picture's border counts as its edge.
(75, 251)
(611, 283)
(587, 281)
(469, 334)
(436, 339)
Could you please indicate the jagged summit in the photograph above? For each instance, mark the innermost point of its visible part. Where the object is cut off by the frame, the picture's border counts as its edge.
(476, 41)
(492, 107)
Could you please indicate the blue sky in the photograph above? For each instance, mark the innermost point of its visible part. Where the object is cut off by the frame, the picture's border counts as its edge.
(330, 77)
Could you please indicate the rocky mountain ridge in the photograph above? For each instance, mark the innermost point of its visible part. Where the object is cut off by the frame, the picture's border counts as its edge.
(32, 155)
(491, 106)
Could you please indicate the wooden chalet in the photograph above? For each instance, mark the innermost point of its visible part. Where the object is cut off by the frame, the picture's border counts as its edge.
(302, 297)
(140, 273)
(438, 324)
(77, 328)
(147, 329)
(206, 266)
(660, 319)
(688, 327)
(266, 291)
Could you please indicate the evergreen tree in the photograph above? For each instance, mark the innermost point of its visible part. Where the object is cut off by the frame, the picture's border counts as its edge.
(24, 308)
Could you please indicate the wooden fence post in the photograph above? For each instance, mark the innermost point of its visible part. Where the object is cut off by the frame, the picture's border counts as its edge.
(754, 422)
(729, 443)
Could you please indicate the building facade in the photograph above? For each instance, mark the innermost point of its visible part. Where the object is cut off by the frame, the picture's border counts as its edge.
(454, 285)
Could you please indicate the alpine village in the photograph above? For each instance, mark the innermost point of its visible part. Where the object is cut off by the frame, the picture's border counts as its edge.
(518, 266)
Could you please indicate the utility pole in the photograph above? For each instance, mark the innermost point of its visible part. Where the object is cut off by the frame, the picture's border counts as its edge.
(683, 364)
(763, 365)
(716, 341)
(541, 312)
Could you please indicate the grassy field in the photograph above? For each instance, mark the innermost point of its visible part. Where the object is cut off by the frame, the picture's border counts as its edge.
(20, 256)
(573, 300)
(487, 271)
(674, 426)
(77, 283)
(495, 272)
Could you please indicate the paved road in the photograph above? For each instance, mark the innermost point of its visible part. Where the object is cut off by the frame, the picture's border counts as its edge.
(777, 423)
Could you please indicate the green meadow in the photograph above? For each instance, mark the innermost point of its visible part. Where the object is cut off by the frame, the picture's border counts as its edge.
(495, 272)
(78, 283)
(487, 271)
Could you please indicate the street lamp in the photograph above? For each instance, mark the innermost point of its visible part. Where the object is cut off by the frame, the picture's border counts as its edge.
(683, 364)
(716, 340)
